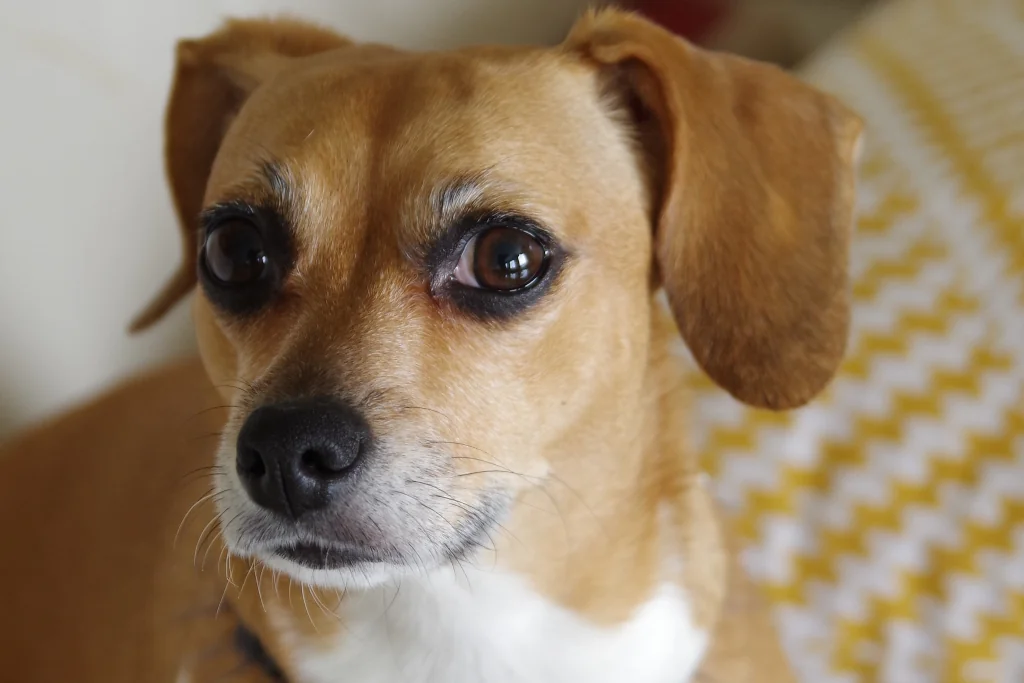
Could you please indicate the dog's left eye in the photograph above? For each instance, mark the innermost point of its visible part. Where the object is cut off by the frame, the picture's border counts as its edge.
(502, 259)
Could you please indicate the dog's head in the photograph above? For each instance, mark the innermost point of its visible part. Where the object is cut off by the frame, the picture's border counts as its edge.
(427, 281)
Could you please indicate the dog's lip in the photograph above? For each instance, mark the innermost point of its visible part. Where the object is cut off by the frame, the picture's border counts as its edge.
(319, 556)
(333, 555)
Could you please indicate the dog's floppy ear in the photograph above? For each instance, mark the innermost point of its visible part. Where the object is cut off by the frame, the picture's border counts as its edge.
(213, 78)
(755, 190)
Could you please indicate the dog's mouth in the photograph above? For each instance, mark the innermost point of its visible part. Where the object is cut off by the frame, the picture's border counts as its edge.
(369, 544)
(317, 556)
(326, 555)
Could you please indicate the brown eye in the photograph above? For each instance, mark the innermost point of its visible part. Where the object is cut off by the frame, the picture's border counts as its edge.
(234, 253)
(502, 259)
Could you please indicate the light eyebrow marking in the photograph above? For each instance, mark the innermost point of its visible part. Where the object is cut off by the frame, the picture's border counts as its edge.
(454, 200)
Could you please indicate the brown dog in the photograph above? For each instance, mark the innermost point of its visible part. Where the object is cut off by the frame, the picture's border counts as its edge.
(451, 424)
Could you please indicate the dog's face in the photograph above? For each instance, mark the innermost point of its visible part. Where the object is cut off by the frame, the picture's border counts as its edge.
(430, 280)
(426, 281)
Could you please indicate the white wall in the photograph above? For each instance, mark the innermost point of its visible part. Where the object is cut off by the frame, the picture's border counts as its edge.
(86, 227)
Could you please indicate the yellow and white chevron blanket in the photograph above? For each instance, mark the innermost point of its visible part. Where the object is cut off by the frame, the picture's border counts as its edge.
(886, 520)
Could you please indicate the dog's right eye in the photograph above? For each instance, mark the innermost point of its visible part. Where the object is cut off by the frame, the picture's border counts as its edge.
(245, 256)
(234, 253)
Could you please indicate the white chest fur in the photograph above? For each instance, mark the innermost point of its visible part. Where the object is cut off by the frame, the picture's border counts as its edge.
(490, 627)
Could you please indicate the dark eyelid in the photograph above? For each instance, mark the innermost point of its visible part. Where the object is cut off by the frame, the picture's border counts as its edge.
(213, 216)
(458, 233)
(266, 218)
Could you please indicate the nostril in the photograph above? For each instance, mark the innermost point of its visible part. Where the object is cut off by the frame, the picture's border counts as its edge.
(324, 463)
(250, 463)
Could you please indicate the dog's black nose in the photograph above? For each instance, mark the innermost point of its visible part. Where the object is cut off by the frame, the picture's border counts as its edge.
(293, 456)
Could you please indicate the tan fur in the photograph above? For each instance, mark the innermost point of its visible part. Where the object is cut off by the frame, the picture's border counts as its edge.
(736, 196)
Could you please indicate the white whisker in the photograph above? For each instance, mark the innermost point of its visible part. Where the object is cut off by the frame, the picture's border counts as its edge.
(199, 542)
(213, 493)
(259, 590)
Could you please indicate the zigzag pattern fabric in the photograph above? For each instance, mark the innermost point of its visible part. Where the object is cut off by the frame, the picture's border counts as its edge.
(886, 519)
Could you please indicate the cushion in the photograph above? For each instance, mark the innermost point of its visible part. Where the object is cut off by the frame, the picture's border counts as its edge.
(886, 519)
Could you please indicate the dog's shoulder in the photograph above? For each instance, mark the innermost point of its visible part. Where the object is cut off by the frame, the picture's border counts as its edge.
(88, 499)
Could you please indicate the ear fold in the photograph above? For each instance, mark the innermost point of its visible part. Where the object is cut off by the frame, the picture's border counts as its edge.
(756, 204)
(213, 78)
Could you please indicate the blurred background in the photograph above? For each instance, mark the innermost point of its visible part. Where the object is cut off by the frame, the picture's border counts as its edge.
(87, 231)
